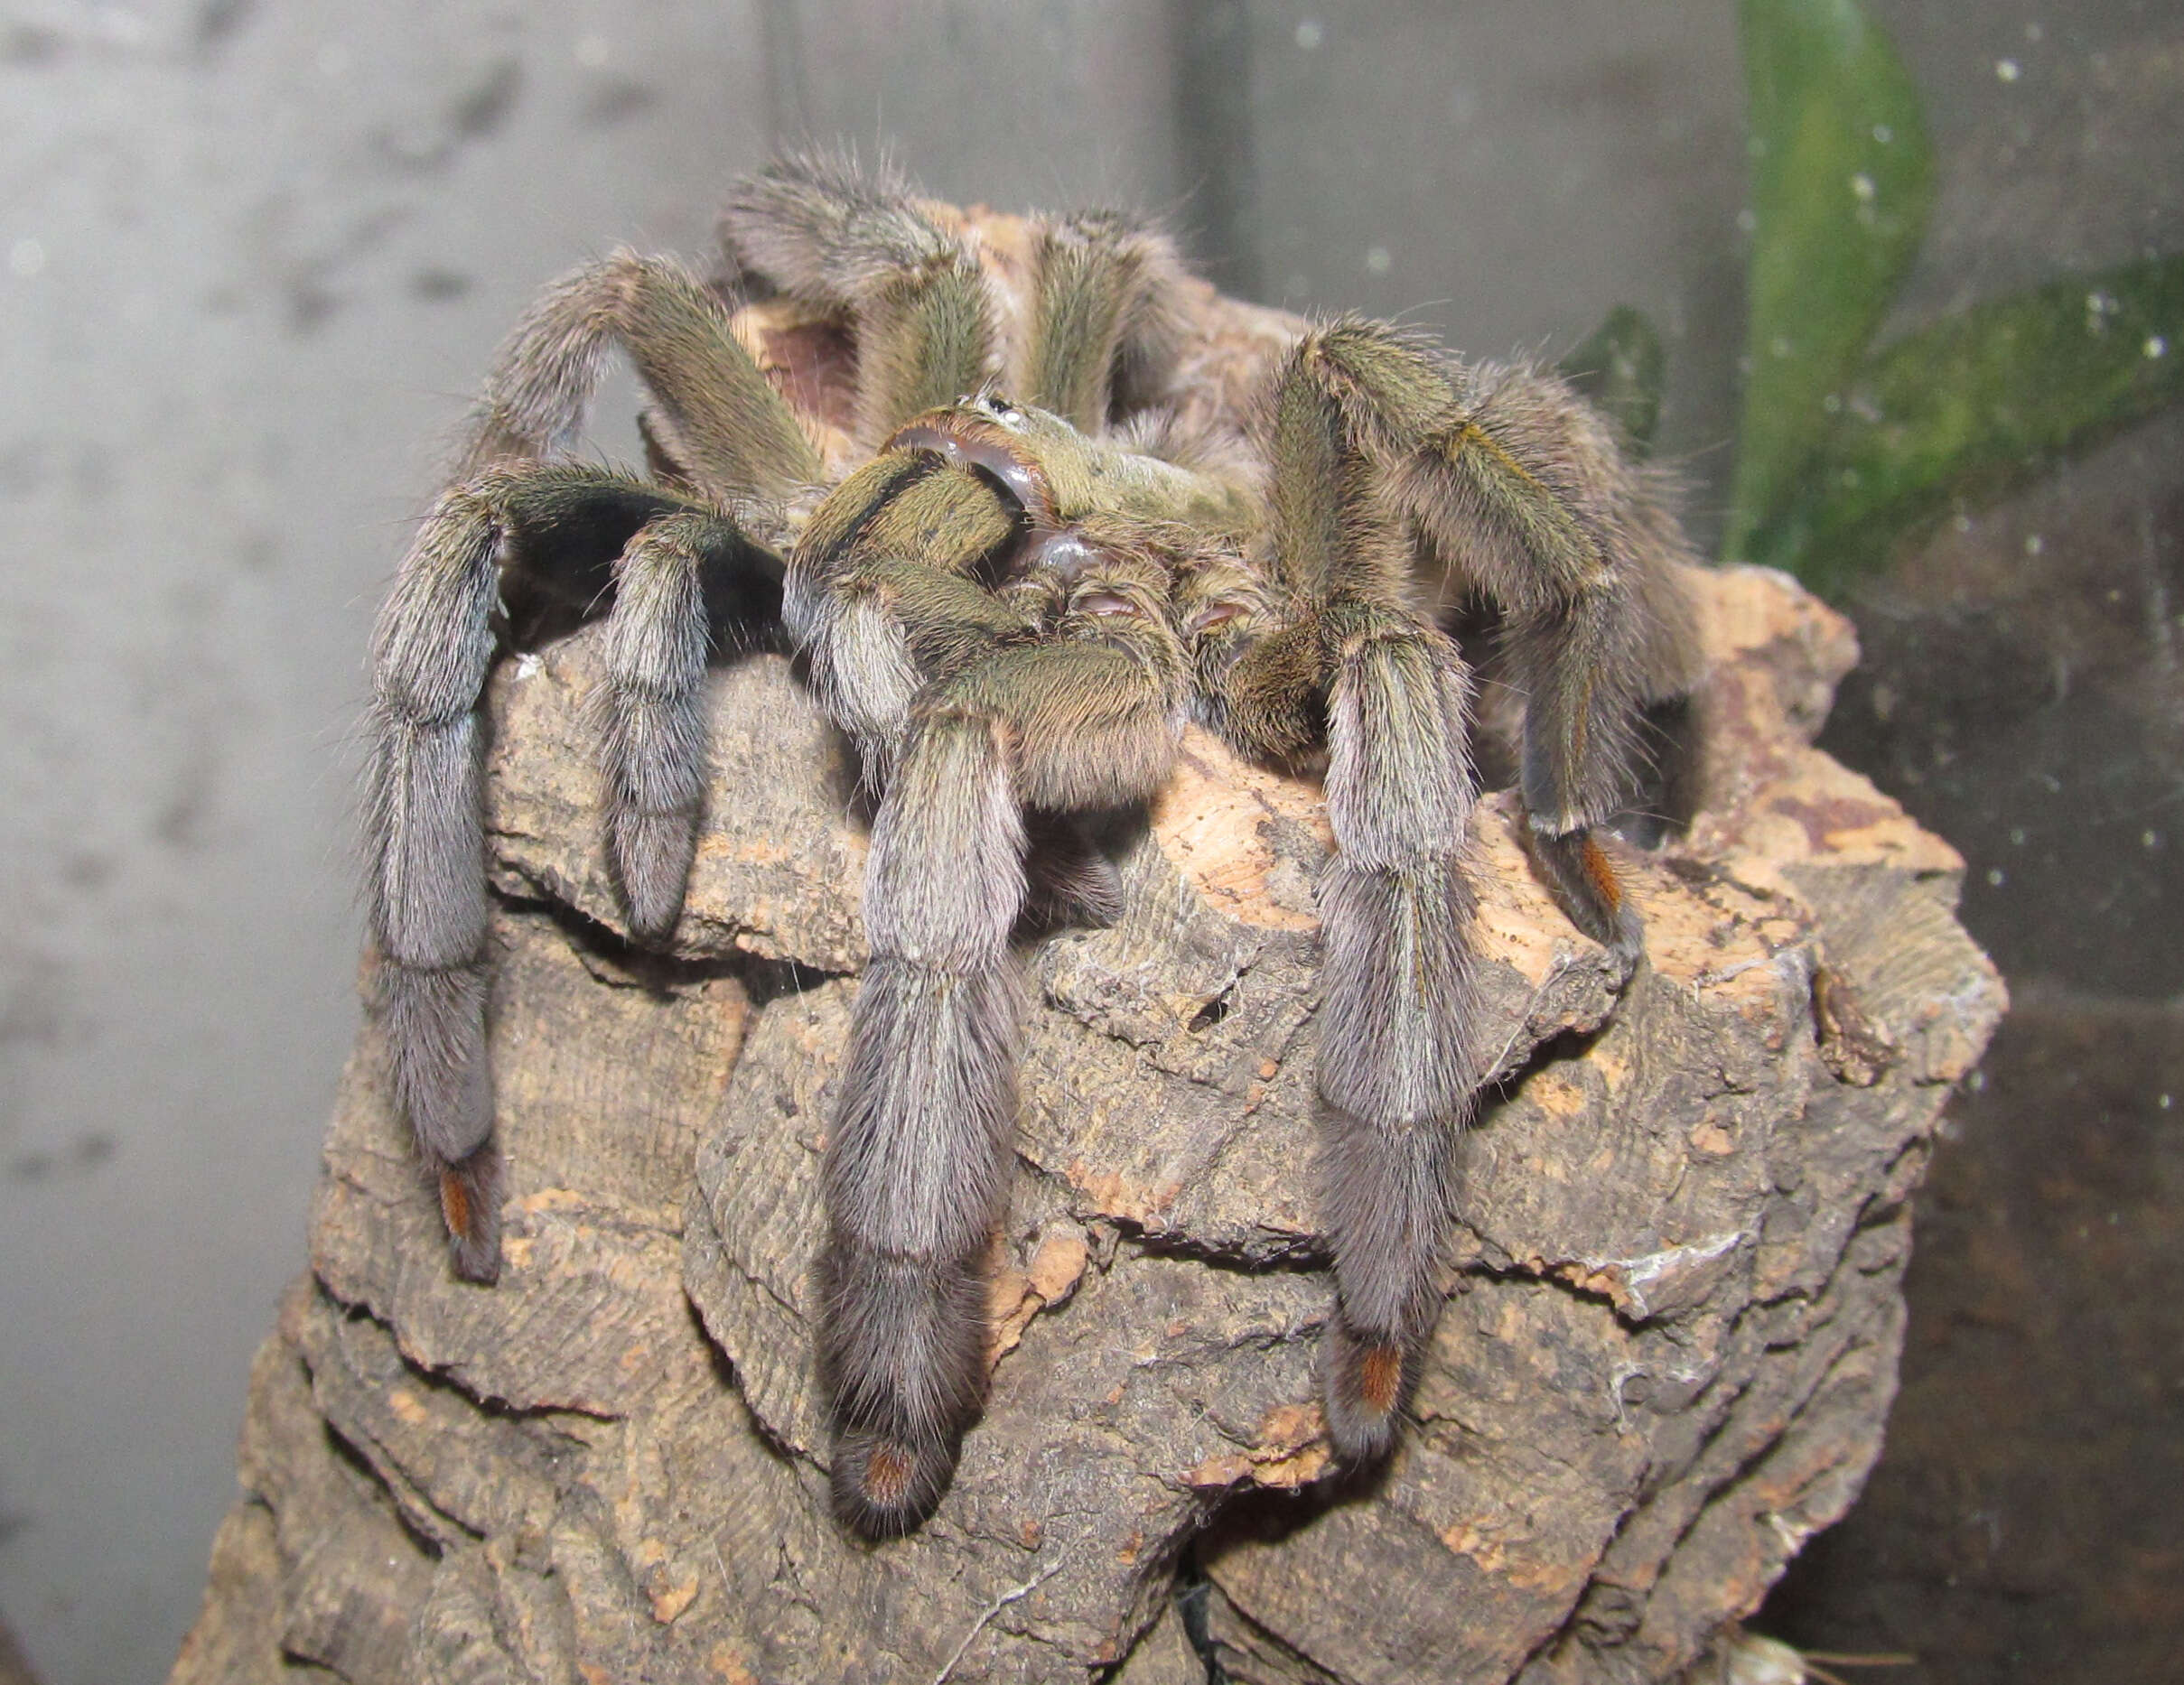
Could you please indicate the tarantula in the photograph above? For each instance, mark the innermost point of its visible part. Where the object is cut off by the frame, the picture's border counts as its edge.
(1010, 604)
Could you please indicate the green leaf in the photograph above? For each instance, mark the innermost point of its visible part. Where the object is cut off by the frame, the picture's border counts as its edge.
(1977, 402)
(1841, 180)
(1619, 371)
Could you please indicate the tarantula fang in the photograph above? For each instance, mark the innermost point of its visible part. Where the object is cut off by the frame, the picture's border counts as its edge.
(1011, 605)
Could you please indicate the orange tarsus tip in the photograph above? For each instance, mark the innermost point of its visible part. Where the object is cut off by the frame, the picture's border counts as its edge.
(887, 1477)
(455, 1203)
(1601, 870)
(1380, 1377)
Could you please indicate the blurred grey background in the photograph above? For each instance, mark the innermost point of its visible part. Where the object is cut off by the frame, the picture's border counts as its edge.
(256, 257)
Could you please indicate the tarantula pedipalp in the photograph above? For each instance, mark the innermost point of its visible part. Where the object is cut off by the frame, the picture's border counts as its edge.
(1012, 604)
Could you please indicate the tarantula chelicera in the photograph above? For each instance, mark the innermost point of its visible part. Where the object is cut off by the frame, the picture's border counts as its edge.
(1011, 600)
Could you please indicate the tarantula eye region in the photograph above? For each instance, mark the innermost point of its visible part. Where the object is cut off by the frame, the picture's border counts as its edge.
(1016, 477)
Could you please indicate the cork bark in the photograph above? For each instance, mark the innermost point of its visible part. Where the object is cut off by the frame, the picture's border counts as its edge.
(1674, 1288)
(1675, 1279)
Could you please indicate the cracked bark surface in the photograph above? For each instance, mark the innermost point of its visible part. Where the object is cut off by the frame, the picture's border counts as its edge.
(1675, 1279)
(1669, 1345)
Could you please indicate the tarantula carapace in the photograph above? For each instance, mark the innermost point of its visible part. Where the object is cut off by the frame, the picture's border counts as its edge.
(1012, 600)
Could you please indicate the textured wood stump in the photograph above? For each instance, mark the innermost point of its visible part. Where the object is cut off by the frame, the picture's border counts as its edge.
(1674, 1284)
(1668, 1353)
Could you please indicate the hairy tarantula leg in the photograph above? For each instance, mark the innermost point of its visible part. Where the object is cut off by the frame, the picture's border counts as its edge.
(1398, 1058)
(878, 592)
(434, 646)
(833, 237)
(1397, 1055)
(1105, 322)
(1399, 1062)
(556, 529)
(717, 416)
(916, 1168)
(653, 723)
(917, 1164)
(1522, 488)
